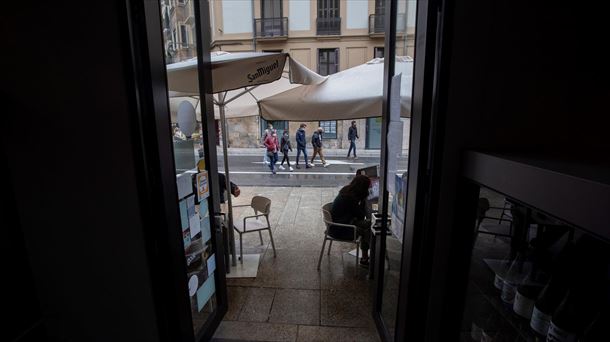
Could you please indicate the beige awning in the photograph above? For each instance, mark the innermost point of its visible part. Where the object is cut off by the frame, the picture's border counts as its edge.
(240, 80)
(350, 94)
(242, 106)
(229, 71)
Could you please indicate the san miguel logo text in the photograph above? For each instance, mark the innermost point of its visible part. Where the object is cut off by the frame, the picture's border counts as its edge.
(266, 70)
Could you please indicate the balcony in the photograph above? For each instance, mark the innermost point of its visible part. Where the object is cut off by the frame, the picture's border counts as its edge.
(377, 24)
(271, 28)
(330, 26)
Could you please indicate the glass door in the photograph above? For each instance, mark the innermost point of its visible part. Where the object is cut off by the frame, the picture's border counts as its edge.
(373, 133)
(271, 13)
(182, 147)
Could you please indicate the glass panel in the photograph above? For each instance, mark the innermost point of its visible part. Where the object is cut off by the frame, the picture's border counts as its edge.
(330, 129)
(534, 278)
(373, 133)
(191, 173)
(397, 172)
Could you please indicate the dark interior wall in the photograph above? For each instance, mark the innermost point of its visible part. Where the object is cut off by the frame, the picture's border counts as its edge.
(522, 77)
(70, 162)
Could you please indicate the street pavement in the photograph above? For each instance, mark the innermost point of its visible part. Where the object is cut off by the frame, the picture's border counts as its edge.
(251, 171)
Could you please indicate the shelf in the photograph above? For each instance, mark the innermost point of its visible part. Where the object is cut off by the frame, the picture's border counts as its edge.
(575, 192)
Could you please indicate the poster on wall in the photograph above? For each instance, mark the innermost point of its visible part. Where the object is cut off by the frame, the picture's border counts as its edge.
(203, 189)
(205, 292)
(399, 202)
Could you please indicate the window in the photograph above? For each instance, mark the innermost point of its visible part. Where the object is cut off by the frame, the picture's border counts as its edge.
(184, 37)
(328, 21)
(328, 61)
(378, 52)
(330, 129)
(279, 125)
(174, 38)
(271, 8)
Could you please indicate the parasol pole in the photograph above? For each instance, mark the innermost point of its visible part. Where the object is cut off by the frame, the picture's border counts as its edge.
(221, 109)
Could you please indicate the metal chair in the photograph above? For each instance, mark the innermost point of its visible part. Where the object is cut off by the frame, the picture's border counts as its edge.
(253, 223)
(328, 221)
(492, 229)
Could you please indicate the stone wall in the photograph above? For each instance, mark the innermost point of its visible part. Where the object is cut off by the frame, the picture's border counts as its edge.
(245, 133)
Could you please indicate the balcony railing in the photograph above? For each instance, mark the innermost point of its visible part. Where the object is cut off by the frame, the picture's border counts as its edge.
(271, 27)
(377, 23)
(328, 26)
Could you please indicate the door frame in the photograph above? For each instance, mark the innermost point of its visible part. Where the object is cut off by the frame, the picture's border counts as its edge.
(414, 287)
(158, 193)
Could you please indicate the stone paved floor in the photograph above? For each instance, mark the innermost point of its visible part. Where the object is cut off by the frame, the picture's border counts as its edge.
(290, 300)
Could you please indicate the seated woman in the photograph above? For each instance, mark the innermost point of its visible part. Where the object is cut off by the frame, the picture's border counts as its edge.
(349, 207)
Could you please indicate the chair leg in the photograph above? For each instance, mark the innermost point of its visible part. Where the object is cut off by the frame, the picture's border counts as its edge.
(387, 258)
(241, 249)
(260, 235)
(272, 244)
(321, 253)
(330, 246)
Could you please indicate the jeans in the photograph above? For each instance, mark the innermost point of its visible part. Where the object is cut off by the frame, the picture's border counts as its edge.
(352, 145)
(363, 228)
(304, 150)
(272, 161)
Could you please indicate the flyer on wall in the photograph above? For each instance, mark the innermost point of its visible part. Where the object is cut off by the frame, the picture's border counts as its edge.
(399, 206)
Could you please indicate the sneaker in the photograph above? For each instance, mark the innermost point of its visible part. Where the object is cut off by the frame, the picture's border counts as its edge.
(291, 169)
(325, 164)
(308, 166)
(355, 157)
(282, 168)
(298, 167)
(273, 172)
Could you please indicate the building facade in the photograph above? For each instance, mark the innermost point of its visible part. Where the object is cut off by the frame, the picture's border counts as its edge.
(327, 36)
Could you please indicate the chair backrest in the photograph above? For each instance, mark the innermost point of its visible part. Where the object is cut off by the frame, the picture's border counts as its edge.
(482, 209)
(326, 208)
(261, 204)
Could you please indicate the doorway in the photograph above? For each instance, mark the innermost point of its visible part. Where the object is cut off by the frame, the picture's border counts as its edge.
(286, 276)
(373, 133)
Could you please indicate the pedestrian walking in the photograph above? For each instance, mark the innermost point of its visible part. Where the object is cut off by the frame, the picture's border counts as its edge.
(352, 135)
(302, 145)
(285, 146)
(272, 148)
(316, 141)
(267, 133)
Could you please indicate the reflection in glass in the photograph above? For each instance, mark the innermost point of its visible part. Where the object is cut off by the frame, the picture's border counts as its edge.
(404, 49)
(179, 34)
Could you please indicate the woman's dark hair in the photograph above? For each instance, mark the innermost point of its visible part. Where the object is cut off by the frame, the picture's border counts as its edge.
(357, 188)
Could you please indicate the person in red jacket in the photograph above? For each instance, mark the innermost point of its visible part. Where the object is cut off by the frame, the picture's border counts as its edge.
(273, 146)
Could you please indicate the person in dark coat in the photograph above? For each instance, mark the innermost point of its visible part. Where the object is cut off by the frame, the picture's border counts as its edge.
(285, 147)
(301, 145)
(316, 141)
(222, 187)
(349, 207)
(352, 135)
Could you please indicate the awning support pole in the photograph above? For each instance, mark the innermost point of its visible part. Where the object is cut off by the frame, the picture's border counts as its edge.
(221, 108)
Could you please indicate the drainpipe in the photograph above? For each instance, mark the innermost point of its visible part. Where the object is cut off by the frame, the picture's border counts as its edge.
(253, 29)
